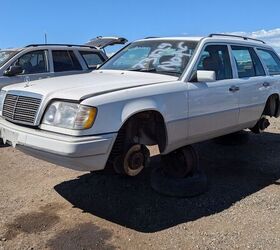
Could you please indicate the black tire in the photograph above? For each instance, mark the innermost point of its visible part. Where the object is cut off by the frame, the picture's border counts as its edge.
(271, 106)
(181, 162)
(261, 125)
(238, 138)
(179, 187)
(2, 145)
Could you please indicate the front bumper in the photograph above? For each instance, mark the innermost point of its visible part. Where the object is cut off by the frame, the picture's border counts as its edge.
(86, 153)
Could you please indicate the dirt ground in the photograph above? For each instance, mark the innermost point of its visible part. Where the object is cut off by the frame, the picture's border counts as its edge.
(43, 206)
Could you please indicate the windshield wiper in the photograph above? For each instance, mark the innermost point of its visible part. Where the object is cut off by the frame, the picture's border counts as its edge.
(169, 73)
(154, 70)
(144, 70)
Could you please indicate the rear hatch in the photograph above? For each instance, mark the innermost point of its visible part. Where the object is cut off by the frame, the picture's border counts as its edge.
(101, 42)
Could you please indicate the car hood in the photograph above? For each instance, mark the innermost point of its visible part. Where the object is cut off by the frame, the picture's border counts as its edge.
(79, 87)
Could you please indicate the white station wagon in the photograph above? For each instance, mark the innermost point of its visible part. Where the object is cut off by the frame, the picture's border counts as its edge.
(169, 92)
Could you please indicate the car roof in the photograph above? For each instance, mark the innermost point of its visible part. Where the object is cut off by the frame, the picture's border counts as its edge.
(182, 38)
(226, 38)
(60, 46)
(52, 46)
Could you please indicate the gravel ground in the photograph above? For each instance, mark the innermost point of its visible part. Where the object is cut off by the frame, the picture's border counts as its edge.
(44, 206)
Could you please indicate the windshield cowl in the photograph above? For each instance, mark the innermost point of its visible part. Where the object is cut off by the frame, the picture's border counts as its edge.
(154, 70)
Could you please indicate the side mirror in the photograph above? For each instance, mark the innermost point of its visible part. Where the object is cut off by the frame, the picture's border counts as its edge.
(206, 76)
(203, 76)
(13, 71)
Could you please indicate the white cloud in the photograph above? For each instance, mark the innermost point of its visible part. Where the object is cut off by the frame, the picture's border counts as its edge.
(271, 37)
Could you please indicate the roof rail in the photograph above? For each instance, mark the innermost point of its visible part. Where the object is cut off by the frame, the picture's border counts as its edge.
(236, 36)
(56, 44)
(150, 37)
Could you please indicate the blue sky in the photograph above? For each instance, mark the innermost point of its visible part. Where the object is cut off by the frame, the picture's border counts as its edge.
(25, 22)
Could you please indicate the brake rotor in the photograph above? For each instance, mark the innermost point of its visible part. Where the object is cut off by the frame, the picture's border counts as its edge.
(135, 159)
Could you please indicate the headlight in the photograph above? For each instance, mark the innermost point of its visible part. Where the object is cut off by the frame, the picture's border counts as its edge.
(70, 115)
(2, 98)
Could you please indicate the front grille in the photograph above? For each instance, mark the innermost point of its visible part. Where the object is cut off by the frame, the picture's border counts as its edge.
(21, 109)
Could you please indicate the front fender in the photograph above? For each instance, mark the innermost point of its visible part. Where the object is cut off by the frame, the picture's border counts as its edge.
(136, 106)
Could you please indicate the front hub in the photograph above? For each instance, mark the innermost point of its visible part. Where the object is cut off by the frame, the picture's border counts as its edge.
(133, 161)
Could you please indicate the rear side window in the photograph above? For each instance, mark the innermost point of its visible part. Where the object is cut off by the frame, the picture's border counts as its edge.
(65, 60)
(216, 58)
(271, 61)
(247, 62)
(92, 59)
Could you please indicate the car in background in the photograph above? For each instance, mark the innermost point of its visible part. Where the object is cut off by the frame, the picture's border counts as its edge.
(39, 61)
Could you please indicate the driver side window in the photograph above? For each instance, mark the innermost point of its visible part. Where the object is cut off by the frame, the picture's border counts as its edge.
(34, 62)
(216, 58)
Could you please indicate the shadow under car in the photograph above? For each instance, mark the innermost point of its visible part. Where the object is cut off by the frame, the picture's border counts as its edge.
(234, 172)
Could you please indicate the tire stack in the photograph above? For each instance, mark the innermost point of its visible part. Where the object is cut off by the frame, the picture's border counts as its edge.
(180, 174)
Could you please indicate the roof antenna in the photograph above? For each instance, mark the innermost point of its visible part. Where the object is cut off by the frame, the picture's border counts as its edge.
(46, 38)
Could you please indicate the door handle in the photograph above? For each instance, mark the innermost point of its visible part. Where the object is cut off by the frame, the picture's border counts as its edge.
(233, 88)
(266, 84)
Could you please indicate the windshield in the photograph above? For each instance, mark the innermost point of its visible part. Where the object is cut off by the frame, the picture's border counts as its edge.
(6, 56)
(156, 56)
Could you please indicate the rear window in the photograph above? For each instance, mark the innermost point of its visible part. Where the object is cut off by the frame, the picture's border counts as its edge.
(271, 61)
(65, 60)
(92, 59)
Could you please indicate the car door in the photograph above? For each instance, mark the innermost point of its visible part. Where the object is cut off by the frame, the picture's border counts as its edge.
(213, 106)
(34, 66)
(7, 80)
(271, 62)
(252, 82)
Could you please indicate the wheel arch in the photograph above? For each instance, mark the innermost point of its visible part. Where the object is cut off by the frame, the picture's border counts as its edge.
(272, 106)
(138, 106)
(146, 110)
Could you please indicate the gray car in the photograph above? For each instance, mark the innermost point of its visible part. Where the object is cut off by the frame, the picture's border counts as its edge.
(38, 61)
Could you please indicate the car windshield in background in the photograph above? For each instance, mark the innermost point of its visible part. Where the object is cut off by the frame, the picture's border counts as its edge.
(6, 55)
(156, 56)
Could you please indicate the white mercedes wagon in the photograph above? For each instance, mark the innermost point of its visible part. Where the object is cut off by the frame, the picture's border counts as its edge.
(170, 92)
